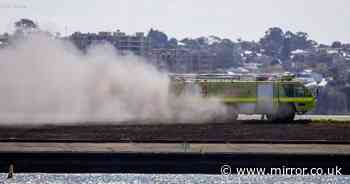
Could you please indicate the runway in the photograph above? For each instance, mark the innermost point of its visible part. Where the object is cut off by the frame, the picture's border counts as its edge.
(241, 131)
(167, 158)
(174, 147)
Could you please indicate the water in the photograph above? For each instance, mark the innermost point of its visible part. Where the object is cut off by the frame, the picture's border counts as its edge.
(166, 179)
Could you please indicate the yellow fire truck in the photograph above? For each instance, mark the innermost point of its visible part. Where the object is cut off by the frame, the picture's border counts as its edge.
(278, 97)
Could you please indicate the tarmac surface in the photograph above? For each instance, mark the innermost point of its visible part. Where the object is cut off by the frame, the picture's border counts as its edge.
(168, 158)
(163, 147)
(241, 131)
(167, 148)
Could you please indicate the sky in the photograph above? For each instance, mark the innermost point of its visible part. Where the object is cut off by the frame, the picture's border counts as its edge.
(324, 20)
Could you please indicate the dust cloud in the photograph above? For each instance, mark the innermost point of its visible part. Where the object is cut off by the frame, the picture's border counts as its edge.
(46, 80)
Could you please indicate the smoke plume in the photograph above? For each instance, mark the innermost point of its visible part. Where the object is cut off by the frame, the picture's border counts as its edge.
(48, 80)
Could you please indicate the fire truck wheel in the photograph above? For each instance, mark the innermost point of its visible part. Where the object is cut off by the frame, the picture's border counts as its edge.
(285, 113)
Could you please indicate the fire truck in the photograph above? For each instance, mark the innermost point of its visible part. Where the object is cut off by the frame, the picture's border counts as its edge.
(277, 97)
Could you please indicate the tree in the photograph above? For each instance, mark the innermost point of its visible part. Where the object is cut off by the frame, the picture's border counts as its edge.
(172, 43)
(300, 40)
(190, 43)
(336, 44)
(25, 25)
(215, 39)
(279, 45)
(273, 41)
(158, 39)
(202, 41)
(285, 53)
(226, 56)
(252, 46)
